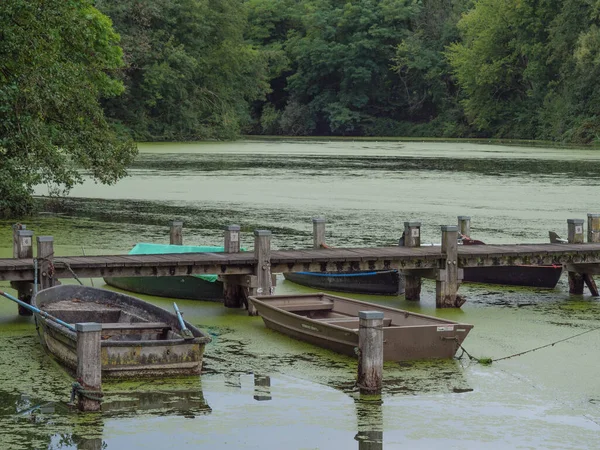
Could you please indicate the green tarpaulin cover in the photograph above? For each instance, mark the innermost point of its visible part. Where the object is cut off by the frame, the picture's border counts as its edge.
(164, 249)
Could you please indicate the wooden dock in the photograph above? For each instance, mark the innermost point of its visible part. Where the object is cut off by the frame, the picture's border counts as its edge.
(250, 272)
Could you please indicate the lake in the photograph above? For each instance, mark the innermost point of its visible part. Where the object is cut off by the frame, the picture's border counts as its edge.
(260, 389)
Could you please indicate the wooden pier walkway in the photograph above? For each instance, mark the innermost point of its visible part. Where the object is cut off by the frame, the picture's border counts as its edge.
(247, 273)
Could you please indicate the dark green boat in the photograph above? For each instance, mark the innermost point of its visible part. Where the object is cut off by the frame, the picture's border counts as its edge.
(193, 287)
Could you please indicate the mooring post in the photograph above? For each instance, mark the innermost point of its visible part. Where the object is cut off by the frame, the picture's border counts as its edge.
(45, 256)
(412, 238)
(447, 279)
(464, 225)
(593, 234)
(575, 236)
(16, 228)
(23, 248)
(370, 351)
(176, 235)
(318, 232)
(262, 270)
(89, 366)
(232, 294)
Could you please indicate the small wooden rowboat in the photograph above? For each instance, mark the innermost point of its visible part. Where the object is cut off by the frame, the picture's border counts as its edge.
(138, 338)
(375, 282)
(332, 322)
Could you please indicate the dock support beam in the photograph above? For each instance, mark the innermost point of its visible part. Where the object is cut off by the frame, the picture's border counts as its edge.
(575, 236)
(370, 351)
(593, 237)
(262, 270)
(448, 277)
(232, 292)
(176, 235)
(89, 367)
(464, 225)
(318, 232)
(412, 238)
(23, 248)
(45, 256)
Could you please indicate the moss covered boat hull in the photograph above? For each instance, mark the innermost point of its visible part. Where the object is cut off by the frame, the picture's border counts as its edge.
(138, 339)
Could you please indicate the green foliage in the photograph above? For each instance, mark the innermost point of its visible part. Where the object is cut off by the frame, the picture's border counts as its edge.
(341, 58)
(56, 61)
(189, 73)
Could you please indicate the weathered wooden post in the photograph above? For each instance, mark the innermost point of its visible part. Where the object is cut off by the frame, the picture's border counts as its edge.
(575, 236)
(232, 294)
(447, 279)
(593, 234)
(464, 225)
(262, 270)
(89, 367)
(176, 235)
(16, 228)
(45, 257)
(23, 248)
(412, 238)
(370, 351)
(318, 232)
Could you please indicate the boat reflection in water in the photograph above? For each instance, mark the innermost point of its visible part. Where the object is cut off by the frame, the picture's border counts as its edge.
(121, 400)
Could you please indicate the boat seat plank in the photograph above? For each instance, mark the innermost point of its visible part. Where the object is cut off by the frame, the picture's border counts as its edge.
(135, 326)
(343, 321)
(307, 306)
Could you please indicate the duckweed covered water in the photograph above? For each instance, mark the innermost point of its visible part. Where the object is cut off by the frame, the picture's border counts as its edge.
(260, 389)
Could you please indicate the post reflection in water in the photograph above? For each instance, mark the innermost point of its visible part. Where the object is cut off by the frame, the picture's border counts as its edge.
(262, 387)
(369, 416)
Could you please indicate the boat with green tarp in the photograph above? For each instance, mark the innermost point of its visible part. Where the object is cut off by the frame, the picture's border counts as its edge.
(193, 287)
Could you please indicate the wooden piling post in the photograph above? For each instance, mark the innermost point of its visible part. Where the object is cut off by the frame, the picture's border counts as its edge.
(318, 232)
(89, 366)
(575, 236)
(370, 351)
(447, 279)
(23, 249)
(176, 234)
(16, 228)
(464, 225)
(593, 234)
(45, 256)
(412, 283)
(262, 270)
(232, 293)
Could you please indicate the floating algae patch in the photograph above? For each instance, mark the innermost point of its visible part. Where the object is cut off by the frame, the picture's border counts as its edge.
(33, 392)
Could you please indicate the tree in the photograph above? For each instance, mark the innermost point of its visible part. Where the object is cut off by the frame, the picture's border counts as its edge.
(502, 64)
(189, 74)
(342, 60)
(56, 60)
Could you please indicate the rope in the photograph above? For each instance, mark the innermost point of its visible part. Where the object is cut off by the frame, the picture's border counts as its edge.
(490, 360)
(73, 273)
(77, 389)
(547, 345)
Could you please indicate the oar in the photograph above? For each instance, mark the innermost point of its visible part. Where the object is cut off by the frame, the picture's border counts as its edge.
(38, 311)
(187, 334)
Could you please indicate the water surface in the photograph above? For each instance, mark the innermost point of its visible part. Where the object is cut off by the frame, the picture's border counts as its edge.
(262, 390)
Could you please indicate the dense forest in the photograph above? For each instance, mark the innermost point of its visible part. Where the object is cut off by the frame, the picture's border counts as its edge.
(443, 68)
(81, 80)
